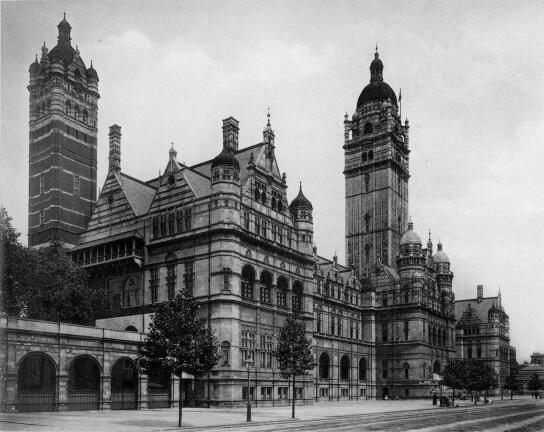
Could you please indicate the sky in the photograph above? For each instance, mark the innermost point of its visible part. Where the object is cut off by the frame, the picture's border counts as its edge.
(472, 88)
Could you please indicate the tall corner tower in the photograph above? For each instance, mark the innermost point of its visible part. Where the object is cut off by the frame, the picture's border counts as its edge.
(62, 143)
(376, 171)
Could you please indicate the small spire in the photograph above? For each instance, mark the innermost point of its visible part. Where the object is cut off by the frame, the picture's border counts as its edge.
(64, 14)
(268, 115)
(172, 152)
(300, 186)
(429, 234)
(36, 57)
(91, 63)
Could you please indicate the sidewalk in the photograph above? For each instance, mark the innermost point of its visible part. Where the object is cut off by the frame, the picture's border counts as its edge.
(160, 419)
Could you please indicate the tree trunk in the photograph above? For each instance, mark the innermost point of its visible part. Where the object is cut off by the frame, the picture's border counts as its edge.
(293, 401)
(452, 397)
(180, 403)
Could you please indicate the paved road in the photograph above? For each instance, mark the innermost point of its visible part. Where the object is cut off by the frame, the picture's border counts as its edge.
(523, 417)
(526, 415)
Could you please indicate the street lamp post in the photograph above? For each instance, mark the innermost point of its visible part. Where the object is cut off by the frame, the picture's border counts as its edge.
(249, 363)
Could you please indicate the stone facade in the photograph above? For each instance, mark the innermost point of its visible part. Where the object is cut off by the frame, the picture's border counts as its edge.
(483, 333)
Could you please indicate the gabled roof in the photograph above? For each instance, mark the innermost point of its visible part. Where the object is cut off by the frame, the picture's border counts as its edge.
(480, 308)
(138, 194)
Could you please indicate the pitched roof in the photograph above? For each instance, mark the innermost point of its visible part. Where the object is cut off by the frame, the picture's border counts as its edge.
(481, 308)
(138, 194)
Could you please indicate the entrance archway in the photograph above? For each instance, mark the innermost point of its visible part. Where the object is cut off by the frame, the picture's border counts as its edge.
(36, 383)
(158, 391)
(124, 385)
(84, 384)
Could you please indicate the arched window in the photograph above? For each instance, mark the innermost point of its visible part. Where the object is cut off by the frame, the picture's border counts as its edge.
(344, 368)
(280, 206)
(437, 367)
(297, 296)
(370, 155)
(131, 293)
(225, 353)
(85, 115)
(248, 280)
(424, 370)
(364, 157)
(273, 203)
(368, 128)
(362, 369)
(76, 112)
(266, 286)
(257, 195)
(281, 295)
(263, 197)
(367, 222)
(406, 369)
(324, 365)
(367, 182)
(131, 328)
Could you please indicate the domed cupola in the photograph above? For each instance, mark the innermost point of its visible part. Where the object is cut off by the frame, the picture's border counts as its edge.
(410, 236)
(63, 50)
(91, 73)
(440, 256)
(300, 202)
(377, 90)
(35, 67)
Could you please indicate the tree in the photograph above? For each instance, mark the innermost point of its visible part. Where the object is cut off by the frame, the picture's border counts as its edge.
(178, 341)
(534, 384)
(455, 375)
(293, 353)
(511, 383)
(45, 283)
(480, 377)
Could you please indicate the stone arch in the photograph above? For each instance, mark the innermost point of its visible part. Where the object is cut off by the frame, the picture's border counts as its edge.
(248, 281)
(344, 367)
(84, 376)
(324, 366)
(36, 382)
(131, 328)
(124, 384)
(437, 367)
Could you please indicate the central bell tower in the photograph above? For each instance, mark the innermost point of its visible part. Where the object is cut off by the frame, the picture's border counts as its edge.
(376, 171)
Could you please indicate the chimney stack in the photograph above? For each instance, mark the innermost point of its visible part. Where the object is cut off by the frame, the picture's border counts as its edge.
(115, 148)
(230, 134)
(480, 293)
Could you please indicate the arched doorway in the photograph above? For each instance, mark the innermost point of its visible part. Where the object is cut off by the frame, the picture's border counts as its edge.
(158, 391)
(437, 367)
(84, 384)
(36, 383)
(124, 385)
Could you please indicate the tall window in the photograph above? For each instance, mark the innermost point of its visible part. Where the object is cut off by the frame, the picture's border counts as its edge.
(42, 184)
(225, 353)
(405, 330)
(318, 322)
(385, 366)
(281, 295)
(247, 350)
(406, 368)
(163, 224)
(131, 293)
(246, 220)
(297, 297)
(257, 225)
(266, 286)
(367, 182)
(188, 219)
(324, 363)
(171, 280)
(42, 217)
(171, 223)
(248, 280)
(344, 368)
(154, 284)
(362, 369)
(367, 222)
(385, 332)
(189, 276)
(108, 294)
(155, 224)
(76, 185)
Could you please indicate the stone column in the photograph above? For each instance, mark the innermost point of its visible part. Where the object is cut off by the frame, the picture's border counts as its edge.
(106, 392)
(63, 392)
(142, 391)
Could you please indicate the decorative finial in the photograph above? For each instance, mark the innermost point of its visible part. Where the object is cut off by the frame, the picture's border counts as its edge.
(268, 115)
(300, 185)
(36, 57)
(91, 62)
(64, 14)
(376, 47)
(172, 145)
(429, 234)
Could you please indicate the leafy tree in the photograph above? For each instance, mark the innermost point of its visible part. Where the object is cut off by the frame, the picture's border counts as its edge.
(455, 375)
(293, 352)
(511, 383)
(534, 384)
(43, 284)
(178, 341)
(480, 377)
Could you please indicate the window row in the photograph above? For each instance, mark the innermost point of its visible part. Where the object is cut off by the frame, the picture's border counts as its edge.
(268, 230)
(275, 201)
(174, 222)
(266, 393)
(329, 288)
(335, 325)
(73, 110)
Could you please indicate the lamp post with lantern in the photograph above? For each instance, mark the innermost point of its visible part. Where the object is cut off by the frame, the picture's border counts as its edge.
(249, 364)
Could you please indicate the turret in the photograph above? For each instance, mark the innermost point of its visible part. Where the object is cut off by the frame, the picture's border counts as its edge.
(301, 211)
(115, 149)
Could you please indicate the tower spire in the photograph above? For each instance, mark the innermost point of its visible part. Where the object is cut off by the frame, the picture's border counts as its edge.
(268, 132)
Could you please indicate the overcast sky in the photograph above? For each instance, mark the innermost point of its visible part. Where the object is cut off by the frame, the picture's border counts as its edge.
(472, 81)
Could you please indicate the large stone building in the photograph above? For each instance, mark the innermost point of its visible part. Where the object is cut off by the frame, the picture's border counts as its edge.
(224, 230)
(483, 333)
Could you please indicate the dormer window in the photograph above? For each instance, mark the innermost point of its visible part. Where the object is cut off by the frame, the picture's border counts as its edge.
(171, 180)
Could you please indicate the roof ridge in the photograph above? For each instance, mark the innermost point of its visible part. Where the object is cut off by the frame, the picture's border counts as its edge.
(136, 180)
